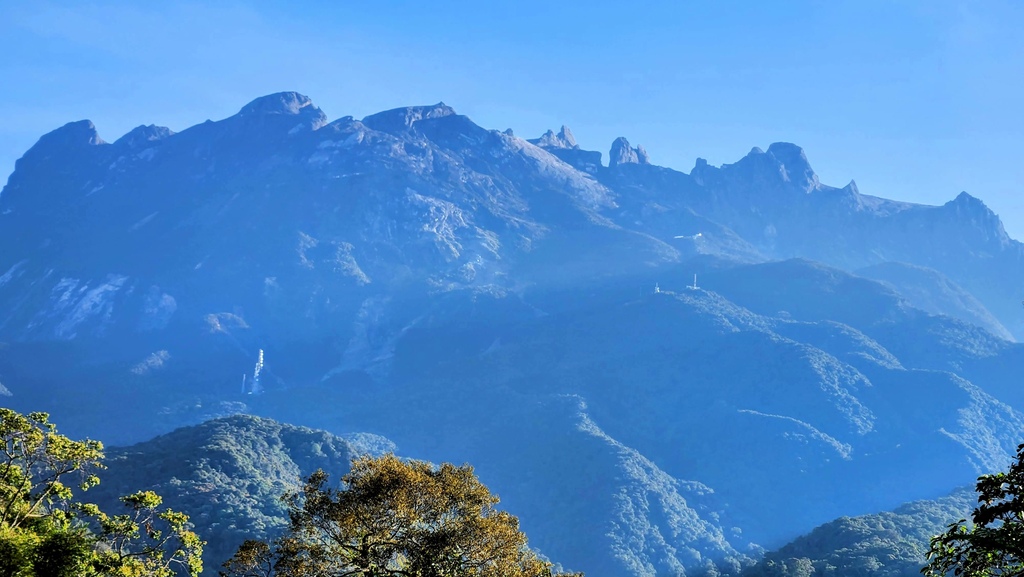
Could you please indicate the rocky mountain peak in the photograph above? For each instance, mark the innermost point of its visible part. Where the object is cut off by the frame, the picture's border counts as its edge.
(700, 170)
(965, 199)
(787, 152)
(641, 155)
(58, 155)
(59, 146)
(142, 136)
(622, 153)
(78, 133)
(797, 169)
(285, 104)
(974, 218)
(549, 140)
(291, 103)
(399, 120)
(782, 164)
(971, 207)
(563, 145)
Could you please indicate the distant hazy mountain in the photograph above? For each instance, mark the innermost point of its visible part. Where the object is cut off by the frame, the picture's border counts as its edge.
(930, 290)
(479, 297)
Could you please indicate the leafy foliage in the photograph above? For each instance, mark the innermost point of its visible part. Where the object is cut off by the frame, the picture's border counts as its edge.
(46, 531)
(993, 544)
(37, 463)
(393, 518)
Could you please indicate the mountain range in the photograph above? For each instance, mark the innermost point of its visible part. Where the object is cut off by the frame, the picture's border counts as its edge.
(682, 369)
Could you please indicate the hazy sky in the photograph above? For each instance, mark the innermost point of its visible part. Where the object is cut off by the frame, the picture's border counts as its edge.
(916, 100)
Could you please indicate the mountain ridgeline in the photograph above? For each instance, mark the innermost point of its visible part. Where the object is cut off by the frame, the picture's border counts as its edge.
(414, 280)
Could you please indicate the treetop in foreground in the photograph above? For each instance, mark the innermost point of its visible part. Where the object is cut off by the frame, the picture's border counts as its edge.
(46, 530)
(393, 518)
(993, 543)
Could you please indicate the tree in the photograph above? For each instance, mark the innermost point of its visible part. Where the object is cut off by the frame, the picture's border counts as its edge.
(393, 518)
(994, 543)
(45, 531)
(36, 464)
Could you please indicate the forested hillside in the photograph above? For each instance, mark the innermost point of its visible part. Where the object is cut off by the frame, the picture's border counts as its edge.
(888, 544)
(228, 475)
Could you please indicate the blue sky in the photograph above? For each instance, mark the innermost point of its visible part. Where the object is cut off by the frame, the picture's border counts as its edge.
(915, 100)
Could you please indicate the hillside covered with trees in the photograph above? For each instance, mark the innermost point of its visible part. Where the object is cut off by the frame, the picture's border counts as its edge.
(887, 544)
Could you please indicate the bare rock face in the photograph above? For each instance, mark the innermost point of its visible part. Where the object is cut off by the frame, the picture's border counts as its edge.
(143, 136)
(564, 147)
(399, 120)
(794, 165)
(641, 155)
(564, 139)
(622, 153)
(284, 104)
